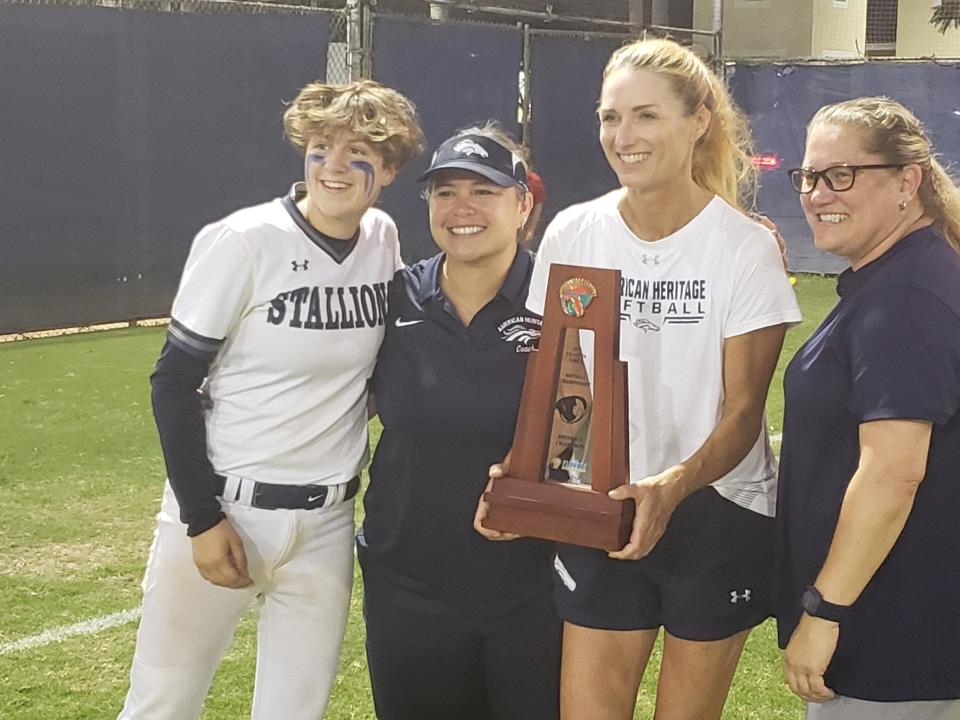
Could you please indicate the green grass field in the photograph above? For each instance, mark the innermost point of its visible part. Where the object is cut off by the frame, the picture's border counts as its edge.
(80, 482)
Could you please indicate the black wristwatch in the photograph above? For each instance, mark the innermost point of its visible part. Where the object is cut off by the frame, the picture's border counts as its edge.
(814, 605)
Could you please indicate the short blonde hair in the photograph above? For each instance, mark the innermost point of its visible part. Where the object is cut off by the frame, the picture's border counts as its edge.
(893, 133)
(379, 115)
(722, 159)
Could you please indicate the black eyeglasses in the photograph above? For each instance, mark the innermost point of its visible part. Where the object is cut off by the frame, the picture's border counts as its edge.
(838, 178)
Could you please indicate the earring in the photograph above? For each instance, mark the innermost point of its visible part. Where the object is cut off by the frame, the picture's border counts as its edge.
(902, 205)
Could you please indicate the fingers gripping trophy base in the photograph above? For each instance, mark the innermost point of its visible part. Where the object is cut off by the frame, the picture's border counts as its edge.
(589, 519)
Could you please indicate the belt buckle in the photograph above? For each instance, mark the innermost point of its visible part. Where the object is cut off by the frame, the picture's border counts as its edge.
(259, 490)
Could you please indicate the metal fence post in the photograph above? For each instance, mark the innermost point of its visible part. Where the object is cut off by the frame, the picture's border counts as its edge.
(355, 10)
(367, 37)
(718, 30)
(526, 102)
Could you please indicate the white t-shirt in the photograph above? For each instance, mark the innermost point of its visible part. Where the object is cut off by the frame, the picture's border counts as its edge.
(719, 276)
(301, 332)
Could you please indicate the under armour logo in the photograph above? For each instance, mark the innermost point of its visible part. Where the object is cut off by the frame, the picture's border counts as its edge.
(650, 259)
(736, 597)
(299, 266)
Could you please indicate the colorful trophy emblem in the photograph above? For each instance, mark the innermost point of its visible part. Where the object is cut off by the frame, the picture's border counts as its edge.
(576, 294)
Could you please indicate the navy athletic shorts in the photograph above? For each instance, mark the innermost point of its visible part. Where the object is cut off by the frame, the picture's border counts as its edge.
(708, 578)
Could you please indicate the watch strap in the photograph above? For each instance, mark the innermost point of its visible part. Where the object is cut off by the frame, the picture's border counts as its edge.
(815, 606)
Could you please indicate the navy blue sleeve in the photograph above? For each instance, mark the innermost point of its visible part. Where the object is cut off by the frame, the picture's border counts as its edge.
(904, 346)
(177, 408)
(398, 288)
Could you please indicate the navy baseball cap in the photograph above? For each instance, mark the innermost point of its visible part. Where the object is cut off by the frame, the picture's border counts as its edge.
(481, 155)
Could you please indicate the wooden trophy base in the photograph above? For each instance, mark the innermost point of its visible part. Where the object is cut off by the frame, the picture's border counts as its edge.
(554, 511)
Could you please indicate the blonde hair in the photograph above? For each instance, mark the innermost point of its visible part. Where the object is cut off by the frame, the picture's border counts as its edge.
(895, 134)
(379, 115)
(722, 161)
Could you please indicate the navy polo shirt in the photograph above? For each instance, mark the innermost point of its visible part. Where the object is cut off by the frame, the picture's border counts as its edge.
(890, 349)
(448, 395)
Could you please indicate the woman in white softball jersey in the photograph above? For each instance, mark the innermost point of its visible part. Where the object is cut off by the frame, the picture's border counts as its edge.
(260, 400)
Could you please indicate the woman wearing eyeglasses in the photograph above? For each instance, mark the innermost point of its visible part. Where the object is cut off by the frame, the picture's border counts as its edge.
(869, 506)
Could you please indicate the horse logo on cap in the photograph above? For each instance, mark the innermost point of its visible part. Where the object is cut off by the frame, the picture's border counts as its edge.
(470, 147)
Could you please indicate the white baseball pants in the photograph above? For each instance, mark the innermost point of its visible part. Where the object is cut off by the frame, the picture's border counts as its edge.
(301, 562)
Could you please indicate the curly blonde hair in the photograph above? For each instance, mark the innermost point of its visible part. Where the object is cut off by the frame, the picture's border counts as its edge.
(722, 158)
(379, 115)
(890, 131)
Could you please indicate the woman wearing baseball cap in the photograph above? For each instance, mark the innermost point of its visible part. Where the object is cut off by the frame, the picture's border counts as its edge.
(457, 627)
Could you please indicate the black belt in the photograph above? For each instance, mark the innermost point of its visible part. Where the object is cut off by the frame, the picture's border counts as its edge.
(290, 497)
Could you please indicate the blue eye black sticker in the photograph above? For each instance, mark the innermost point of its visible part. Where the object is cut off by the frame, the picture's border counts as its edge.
(361, 165)
(368, 172)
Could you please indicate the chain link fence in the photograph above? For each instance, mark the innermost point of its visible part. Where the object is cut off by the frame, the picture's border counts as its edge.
(555, 14)
(338, 52)
(882, 27)
(588, 9)
(210, 7)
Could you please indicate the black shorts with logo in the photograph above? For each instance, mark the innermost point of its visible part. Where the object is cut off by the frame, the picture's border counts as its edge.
(708, 578)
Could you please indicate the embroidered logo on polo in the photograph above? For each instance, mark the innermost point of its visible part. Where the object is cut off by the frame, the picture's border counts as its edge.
(330, 308)
(522, 330)
(649, 305)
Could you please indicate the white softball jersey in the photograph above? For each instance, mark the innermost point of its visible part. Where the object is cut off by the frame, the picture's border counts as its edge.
(719, 276)
(302, 318)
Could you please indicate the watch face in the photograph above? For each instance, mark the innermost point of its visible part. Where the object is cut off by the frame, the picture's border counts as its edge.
(814, 605)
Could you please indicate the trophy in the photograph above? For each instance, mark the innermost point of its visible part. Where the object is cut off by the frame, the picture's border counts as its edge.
(571, 446)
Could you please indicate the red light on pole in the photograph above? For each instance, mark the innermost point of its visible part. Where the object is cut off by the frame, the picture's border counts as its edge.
(766, 161)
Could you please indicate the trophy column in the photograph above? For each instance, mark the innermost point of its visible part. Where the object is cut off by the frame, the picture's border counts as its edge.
(571, 446)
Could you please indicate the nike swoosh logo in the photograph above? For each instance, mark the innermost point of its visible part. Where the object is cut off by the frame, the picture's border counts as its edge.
(313, 498)
(404, 323)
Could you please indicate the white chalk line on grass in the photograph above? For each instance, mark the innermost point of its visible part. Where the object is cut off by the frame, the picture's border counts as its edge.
(105, 622)
(87, 627)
